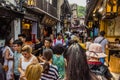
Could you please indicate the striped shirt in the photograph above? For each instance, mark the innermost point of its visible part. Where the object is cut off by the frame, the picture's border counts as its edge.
(51, 75)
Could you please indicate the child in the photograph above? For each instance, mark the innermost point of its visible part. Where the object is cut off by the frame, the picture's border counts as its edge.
(50, 72)
(59, 60)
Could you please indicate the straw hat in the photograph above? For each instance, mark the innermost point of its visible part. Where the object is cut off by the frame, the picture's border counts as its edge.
(95, 50)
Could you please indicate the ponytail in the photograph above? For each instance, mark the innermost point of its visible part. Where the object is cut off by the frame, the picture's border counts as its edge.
(46, 67)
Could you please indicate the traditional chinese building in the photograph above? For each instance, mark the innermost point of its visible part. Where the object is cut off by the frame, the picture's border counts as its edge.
(10, 15)
(103, 15)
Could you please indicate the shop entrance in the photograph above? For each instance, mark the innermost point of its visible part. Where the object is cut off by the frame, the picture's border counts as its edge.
(26, 29)
(29, 28)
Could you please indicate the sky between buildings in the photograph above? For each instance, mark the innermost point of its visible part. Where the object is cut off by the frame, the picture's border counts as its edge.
(79, 2)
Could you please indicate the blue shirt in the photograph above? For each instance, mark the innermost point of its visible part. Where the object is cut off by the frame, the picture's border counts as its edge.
(16, 62)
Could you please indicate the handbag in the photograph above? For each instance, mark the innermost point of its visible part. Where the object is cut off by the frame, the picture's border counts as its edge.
(5, 67)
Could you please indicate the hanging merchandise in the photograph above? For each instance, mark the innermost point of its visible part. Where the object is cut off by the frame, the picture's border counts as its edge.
(96, 30)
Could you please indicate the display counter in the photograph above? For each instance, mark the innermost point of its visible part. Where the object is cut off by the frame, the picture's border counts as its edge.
(114, 60)
(114, 51)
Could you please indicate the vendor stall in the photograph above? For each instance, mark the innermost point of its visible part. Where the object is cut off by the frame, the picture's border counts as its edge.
(114, 58)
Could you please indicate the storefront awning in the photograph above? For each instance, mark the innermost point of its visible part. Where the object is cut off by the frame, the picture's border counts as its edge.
(7, 15)
(9, 12)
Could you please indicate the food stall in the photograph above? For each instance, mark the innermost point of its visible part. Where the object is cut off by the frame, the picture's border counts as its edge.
(114, 57)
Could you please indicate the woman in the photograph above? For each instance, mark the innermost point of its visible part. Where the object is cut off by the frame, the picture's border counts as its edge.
(94, 54)
(33, 72)
(50, 72)
(8, 58)
(26, 60)
(77, 67)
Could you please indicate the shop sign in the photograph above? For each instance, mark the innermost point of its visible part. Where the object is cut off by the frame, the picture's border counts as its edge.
(26, 26)
(48, 21)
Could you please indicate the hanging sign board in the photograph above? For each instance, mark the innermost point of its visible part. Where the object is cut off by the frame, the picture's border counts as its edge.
(48, 21)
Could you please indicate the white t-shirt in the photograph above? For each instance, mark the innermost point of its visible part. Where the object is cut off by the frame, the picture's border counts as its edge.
(103, 43)
(56, 41)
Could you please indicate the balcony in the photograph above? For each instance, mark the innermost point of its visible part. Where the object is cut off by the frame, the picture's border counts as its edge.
(45, 6)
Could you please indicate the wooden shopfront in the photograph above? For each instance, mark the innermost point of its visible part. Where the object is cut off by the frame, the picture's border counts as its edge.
(7, 17)
(29, 26)
(49, 25)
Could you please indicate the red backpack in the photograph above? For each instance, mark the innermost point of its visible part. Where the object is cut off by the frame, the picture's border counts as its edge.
(55, 41)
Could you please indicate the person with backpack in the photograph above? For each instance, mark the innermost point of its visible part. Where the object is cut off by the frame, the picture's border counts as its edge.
(58, 40)
(103, 41)
(77, 67)
(94, 53)
(50, 71)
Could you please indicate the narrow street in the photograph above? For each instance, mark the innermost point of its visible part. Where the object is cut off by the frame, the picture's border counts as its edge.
(59, 40)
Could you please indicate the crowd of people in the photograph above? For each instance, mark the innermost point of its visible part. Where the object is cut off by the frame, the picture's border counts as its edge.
(63, 58)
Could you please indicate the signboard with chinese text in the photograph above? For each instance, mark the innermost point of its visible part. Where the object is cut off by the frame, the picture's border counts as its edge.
(48, 21)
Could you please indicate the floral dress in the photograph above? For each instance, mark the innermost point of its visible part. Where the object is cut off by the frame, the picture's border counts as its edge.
(60, 63)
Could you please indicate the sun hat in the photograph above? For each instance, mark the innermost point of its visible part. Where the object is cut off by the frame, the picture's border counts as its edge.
(95, 50)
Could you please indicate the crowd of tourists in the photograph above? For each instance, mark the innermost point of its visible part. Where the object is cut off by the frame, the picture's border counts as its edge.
(62, 58)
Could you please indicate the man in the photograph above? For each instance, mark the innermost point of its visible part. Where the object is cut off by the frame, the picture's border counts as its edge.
(22, 37)
(17, 45)
(47, 45)
(38, 45)
(103, 41)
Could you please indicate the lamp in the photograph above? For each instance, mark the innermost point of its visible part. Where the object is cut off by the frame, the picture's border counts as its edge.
(31, 3)
(90, 24)
(111, 6)
(108, 9)
(111, 9)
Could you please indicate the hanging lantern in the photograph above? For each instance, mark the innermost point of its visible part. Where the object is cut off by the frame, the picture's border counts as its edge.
(111, 6)
(111, 10)
(90, 24)
(31, 3)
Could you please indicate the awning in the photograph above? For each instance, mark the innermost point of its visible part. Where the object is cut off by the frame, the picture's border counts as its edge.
(9, 12)
(30, 18)
(7, 15)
